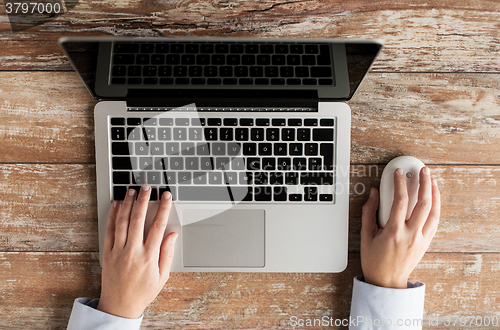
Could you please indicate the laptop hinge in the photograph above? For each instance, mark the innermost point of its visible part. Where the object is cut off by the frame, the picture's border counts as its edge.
(210, 98)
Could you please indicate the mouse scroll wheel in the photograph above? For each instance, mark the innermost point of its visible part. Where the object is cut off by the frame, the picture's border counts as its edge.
(408, 175)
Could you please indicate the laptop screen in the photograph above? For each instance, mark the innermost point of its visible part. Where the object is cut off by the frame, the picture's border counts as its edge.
(323, 69)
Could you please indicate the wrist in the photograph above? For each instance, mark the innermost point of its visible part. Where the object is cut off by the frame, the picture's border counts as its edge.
(387, 283)
(127, 312)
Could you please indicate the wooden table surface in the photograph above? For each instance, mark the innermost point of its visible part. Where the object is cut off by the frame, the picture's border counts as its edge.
(433, 93)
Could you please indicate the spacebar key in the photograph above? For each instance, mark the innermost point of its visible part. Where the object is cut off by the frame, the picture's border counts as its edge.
(316, 178)
(212, 194)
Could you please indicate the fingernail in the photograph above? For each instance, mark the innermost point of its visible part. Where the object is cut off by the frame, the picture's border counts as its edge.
(434, 182)
(399, 171)
(174, 238)
(115, 204)
(372, 192)
(426, 170)
(145, 187)
(167, 195)
(131, 192)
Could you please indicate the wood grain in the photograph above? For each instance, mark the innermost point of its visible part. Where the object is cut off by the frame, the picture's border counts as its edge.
(442, 119)
(52, 207)
(432, 35)
(38, 289)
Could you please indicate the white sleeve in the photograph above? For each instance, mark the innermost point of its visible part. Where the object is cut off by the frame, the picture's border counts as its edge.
(375, 307)
(85, 316)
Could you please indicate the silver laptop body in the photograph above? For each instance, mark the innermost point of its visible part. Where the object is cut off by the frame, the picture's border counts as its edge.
(270, 192)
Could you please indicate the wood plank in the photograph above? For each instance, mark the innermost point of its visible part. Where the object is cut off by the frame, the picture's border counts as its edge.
(440, 118)
(40, 289)
(52, 207)
(428, 36)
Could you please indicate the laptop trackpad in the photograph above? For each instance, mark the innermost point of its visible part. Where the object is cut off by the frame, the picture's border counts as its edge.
(233, 238)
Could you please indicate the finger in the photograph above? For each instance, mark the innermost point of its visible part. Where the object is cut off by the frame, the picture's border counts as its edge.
(368, 217)
(138, 216)
(157, 230)
(424, 203)
(399, 207)
(109, 238)
(167, 255)
(123, 219)
(431, 224)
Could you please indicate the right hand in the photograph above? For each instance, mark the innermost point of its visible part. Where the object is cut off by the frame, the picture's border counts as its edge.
(389, 255)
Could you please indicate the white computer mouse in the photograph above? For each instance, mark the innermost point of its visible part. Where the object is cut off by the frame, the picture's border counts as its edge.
(411, 167)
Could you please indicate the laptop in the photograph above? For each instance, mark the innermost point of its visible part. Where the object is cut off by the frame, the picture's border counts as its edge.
(251, 137)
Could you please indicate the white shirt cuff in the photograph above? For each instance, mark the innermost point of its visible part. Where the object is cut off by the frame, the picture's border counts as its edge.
(85, 316)
(375, 307)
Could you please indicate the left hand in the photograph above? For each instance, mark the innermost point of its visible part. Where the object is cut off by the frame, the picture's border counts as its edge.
(133, 270)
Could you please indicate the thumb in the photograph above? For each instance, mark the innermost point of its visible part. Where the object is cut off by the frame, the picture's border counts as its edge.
(167, 255)
(369, 216)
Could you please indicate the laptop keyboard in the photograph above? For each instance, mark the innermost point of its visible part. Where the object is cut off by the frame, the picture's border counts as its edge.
(212, 63)
(198, 159)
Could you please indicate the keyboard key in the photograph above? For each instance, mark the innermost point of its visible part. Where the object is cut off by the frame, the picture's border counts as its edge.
(280, 149)
(124, 163)
(154, 178)
(325, 81)
(162, 48)
(121, 148)
(326, 122)
(284, 164)
(311, 49)
(187, 148)
(230, 178)
(310, 122)
(142, 59)
(216, 194)
(295, 149)
(119, 193)
(241, 134)
(294, 122)
(296, 49)
(236, 49)
(147, 48)
(119, 71)
(206, 163)
(291, 178)
(164, 134)
(293, 81)
(257, 134)
(126, 48)
(176, 163)
(117, 133)
(121, 177)
(233, 149)
(308, 60)
(200, 178)
(214, 121)
(195, 133)
(202, 149)
(262, 81)
(230, 81)
(253, 164)
(276, 178)
(288, 134)
(302, 71)
(246, 122)
(177, 48)
(214, 81)
(192, 48)
(218, 149)
(207, 48)
(134, 134)
(180, 134)
(299, 164)
(309, 81)
(249, 149)
(280, 194)
(222, 48)
(262, 122)
(117, 81)
(325, 197)
(303, 134)
(123, 59)
(324, 57)
(277, 81)
(311, 149)
(215, 178)
(278, 122)
(184, 177)
(246, 178)
(278, 60)
(141, 148)
(158, 59)
(295, 197)
(265, 149)
(314, 164)
(326, 150)
(321, 71)
(263, 194)
(251, 49)
(273, 134)
(310, 194)
(268, 164)
(230, 122)
(169, 178)
(316, 178)
(134, 81)
(323, 134)
(173, 59)
(172, 148)
(182, 121)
